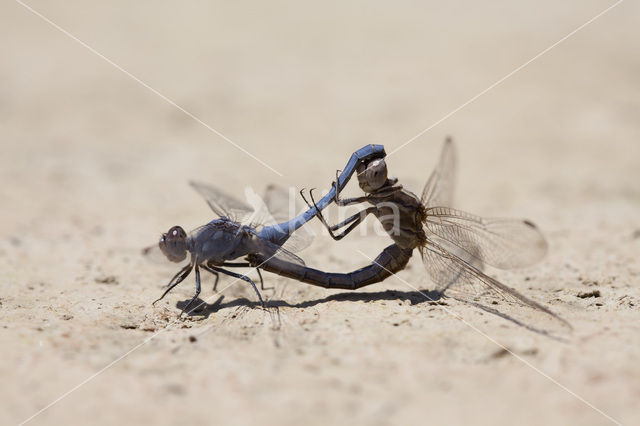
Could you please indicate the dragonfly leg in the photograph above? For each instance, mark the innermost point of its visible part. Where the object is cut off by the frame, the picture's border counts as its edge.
(336, 199)
(262, 287)
(235, 265)
(217, 275)
(352, 221)
(341, 203)
(215, 283)
(193, 299)
(230, 264)
(351, 201)
(177, 279)
(248, 265)
(321, 216)
(242, 277)
(345, 201)
(318, 212)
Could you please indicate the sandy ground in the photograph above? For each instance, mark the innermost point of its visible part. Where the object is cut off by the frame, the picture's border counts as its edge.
(95, 166)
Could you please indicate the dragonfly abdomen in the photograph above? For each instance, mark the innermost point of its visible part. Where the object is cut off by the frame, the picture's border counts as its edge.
(391, 260)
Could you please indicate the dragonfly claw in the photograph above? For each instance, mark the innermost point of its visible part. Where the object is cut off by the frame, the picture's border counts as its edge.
(305, 198)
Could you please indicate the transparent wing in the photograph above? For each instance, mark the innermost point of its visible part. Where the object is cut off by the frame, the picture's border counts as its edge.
(277, 205)
(438, 190)
(222, 204)
(283, 205)
(299, 240)
(273, 208)
(270, 250)
(503, 243)
(456, 278)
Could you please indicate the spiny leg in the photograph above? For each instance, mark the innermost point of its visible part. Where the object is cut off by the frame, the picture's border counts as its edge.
(341, 203)
(355, 220)
(352, 221)
(242, 277)
(346, 201)
(318, 212)
(180, 272)
(197, 291)
(262, 287)
(208, 269)
(324, 221)
(215, 284)
(217, 275)
(321, 216)
(336, 198)
(244, 265)
(181, 275)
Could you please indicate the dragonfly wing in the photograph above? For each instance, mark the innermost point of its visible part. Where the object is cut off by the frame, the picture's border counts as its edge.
(285, 254)
(455, 277)
(503, 243)
(438, 190)
(271, 209)
(222, 204)
(270, 250)
(298, 241)
(280, 202)
(282, 205)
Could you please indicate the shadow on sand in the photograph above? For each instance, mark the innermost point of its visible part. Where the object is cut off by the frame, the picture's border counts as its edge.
(431, 297)
(415, 297)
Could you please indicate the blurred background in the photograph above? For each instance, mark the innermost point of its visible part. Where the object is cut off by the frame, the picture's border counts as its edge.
(99, 139)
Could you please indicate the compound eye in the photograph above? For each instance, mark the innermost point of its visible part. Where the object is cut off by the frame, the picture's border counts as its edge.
(176, 233)
(376, 173)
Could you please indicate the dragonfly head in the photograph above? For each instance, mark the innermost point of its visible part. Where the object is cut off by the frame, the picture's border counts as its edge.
(173, 244)
(372, 175)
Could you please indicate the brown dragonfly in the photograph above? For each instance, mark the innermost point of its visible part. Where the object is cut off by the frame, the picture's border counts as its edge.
(454, 245)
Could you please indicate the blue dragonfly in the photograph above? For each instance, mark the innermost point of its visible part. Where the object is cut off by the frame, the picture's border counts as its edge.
(240, 231)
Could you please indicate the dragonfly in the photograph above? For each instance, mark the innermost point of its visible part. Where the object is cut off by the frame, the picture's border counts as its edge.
(454, 245)
(241, 230)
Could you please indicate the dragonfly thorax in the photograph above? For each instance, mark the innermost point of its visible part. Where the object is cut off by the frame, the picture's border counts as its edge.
(221, 240)
(173, 244)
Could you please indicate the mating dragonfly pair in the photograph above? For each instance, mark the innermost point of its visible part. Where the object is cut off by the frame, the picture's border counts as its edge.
(454, 245)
